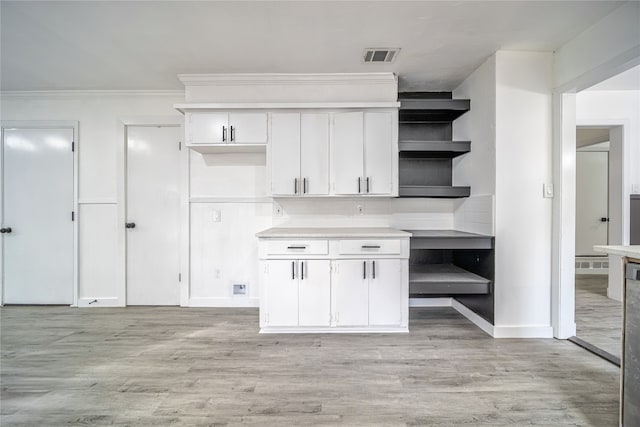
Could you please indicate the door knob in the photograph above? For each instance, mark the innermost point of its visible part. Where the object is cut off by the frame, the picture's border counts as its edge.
(603, 219)
(130, 225)
(5, 230)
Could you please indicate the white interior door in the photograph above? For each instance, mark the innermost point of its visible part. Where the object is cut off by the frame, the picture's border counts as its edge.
(377, 153)
(37, 208)
(153, 213)
(348, 149)
(285, 154)
(314, 153)
(592, 189)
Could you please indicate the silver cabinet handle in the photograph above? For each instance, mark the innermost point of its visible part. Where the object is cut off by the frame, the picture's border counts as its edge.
(359, 179)
(367, 184)
(293, 270)
(373, 269)
(232, 133)
(364, 269)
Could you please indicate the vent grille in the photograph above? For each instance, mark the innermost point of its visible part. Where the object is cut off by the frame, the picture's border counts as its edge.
(380, 55)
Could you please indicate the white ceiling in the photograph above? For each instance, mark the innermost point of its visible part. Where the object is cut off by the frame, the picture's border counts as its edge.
(628, 80)
(144, 45)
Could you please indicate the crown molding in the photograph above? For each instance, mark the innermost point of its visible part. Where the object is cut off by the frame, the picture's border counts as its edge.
(86, 93)
(306, 79)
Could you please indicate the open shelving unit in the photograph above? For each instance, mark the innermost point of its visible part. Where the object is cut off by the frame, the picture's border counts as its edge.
(426, 147)
(449, 263)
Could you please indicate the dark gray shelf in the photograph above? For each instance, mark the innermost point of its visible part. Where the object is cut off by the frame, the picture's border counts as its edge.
(437, 191)
(446, 279)
(433, 149)
(432, 109)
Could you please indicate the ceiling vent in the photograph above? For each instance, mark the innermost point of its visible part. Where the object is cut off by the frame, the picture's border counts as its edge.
(377, 55)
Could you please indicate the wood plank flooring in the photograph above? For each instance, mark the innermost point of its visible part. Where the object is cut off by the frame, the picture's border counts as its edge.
(598, 318)
(172, 366)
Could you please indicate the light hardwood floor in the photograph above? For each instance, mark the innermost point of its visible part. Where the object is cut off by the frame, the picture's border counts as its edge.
(172, 366)
(598, 318)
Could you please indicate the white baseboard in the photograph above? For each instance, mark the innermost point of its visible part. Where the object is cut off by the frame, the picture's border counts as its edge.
(99, 302)
(473, 317)
(223, 302)
(522, 332)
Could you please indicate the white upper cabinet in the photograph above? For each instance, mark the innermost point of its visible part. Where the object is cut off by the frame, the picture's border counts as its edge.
(348, 152)
(226, 128)
(299, 154)
(363, 153)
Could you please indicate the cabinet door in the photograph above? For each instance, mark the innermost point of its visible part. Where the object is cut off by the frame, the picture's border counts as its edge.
(348, 152)
(314, 293)
(377, 153)
(248, 128)
(285, 154)
(350, 293)
(314, 148)
(207, 128)
(385, 292)
(280, 292)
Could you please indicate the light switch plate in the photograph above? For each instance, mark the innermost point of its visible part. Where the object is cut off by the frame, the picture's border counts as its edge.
(217, 216)
(547, 191)
(360, 209)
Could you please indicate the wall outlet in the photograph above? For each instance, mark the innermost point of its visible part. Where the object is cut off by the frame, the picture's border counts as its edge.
(240, 289)
(217, 217)
(277, 209)
(359, 209)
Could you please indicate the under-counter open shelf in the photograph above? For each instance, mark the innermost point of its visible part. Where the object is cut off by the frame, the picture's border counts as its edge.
(436, 191)
(448, 279)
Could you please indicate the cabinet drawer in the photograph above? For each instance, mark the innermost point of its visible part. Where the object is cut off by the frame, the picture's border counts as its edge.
(364, 247)
(297, 247)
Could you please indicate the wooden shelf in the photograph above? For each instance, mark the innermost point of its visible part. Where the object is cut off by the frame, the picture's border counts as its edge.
(433, 149)
(445, 279)
(436, 191)
(228, 148)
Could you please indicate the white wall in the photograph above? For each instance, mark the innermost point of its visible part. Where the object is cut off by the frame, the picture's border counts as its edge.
(614, 39)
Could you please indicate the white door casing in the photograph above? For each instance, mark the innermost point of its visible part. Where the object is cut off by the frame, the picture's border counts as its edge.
(592, 197)
(38, 200)
(153, 205)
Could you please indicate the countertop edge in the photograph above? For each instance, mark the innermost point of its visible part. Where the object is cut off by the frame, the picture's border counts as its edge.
(631, 251)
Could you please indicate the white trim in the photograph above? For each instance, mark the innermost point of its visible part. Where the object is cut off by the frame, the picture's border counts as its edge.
(248, 79)
(121, 165)
(99, 302)
(334, 330)
(213, 199)
(41, 124)
(473, 317)
(97, 201)
(205, 106)
(533, 331)
(430, 302)
(87, 93)
(223, 302)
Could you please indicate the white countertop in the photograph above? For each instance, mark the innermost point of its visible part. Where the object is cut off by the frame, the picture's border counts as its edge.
(631, 251)
(344, 232)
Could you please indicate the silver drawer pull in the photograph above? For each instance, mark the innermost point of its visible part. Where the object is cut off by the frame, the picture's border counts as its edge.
(297, 247)
(370, 246)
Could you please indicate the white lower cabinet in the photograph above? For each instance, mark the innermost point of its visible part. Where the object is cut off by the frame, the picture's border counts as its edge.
(334, 285)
